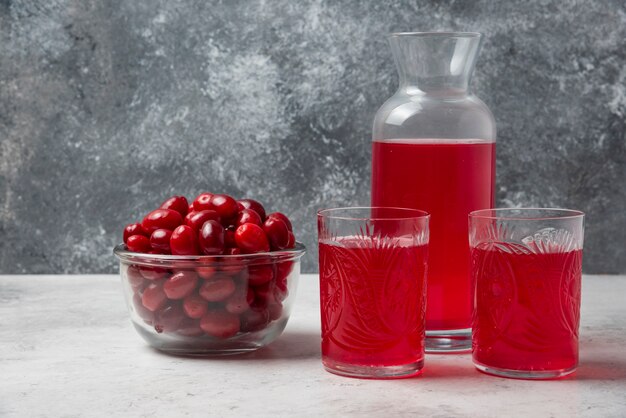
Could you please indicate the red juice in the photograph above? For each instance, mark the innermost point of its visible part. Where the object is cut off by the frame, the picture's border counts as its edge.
(372, 295)
(527, 308)
(449, 180)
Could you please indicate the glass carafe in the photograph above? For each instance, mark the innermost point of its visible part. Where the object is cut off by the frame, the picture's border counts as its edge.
(434, 150)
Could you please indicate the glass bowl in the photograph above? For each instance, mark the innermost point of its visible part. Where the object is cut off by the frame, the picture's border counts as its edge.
(209, 305)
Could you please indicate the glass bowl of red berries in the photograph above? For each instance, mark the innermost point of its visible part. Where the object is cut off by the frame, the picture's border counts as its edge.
(217, 276)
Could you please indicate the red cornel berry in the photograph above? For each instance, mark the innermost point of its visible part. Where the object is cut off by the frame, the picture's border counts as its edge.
(161, 219)
(225, 206)
(160, 240)
(211, 238)
(252, 205)
(202, 202)
(283, 218)
(220, 324)
(134, 229)
(184, 241)
(196, 219)
(195, 306)
(277, 233)
(218, 289)
(154, 297)
(248, 216)
(138, 244)
(259, 275)
(177, 203)
(181, 284)
(251, 238)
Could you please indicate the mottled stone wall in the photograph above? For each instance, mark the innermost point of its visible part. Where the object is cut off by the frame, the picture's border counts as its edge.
(108, 107)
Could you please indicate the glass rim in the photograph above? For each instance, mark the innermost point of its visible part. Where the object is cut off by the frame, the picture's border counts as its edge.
(442, 34)
(500, 214)
(327, 213)
(123, 254)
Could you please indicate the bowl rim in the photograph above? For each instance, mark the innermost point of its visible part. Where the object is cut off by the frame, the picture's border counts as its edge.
(124, 255)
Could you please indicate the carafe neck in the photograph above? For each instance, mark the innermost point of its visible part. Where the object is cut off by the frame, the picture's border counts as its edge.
(435, 63)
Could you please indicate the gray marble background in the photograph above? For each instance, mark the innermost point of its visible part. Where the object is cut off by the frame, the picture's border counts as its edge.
(109, 107)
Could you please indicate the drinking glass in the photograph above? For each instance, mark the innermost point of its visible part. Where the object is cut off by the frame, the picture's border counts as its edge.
(373, 263)
(526, 268)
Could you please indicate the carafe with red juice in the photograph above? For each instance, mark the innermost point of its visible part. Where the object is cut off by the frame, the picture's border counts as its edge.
(434, 150)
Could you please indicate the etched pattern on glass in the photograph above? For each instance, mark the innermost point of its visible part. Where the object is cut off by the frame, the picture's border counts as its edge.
(373, 290)
(509, 238)
(528, 295)
(551, 240)
(495, 282)
(331, 293)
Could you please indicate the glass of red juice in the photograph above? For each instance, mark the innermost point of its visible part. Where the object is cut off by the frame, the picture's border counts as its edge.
(526, 272)
(373, 264)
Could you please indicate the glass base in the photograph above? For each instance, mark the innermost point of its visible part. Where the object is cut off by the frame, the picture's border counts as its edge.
(204, 346)
(524, 374)
(373, 372)
(448, 341)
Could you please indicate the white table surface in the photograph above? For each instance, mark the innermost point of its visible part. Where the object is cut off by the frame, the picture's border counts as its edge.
(67, 348)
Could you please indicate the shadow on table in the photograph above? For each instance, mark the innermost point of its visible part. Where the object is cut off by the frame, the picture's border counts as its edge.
(604, 370)
(587, 371)
(291, 345)
(601, 367)
(601, 370)
(440, 370)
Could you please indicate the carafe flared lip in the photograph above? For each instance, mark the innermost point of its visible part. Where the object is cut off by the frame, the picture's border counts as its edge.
(438, 34)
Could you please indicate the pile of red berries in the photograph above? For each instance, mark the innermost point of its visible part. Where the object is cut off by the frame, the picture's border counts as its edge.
(221, 296)
(212, 224)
